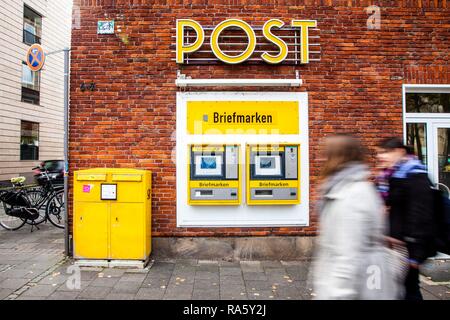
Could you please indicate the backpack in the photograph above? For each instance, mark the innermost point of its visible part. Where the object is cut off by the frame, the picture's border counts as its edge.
(441, 223)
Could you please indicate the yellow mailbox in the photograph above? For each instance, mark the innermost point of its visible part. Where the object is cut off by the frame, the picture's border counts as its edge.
(112, 214)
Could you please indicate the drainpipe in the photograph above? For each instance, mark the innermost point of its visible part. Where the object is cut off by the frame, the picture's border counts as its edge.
(66, 151)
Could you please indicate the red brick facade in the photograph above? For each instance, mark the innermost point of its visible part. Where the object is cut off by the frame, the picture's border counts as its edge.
(129, 120)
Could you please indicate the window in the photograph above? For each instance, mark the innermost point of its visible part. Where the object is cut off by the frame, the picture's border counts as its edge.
(416, 136)
(30, 85)
(428, 102)
(32, 26)
(29, 140)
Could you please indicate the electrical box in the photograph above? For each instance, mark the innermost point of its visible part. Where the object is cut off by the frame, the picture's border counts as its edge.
(214, 175)
(112, 214)
(273, 174)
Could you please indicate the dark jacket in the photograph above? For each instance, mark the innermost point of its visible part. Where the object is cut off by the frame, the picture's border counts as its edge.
(411, 209)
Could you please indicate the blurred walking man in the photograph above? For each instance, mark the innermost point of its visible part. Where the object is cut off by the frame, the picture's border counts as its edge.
(407, 192)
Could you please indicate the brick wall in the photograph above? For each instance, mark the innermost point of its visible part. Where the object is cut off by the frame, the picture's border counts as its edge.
(129, 120)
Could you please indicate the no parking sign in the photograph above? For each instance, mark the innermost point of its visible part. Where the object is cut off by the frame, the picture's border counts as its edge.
(35, 57)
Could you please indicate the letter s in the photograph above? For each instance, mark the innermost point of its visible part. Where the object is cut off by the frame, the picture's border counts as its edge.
(267, 32)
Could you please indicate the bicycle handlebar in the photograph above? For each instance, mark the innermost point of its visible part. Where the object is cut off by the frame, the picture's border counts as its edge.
(43, 169)
(44, 172)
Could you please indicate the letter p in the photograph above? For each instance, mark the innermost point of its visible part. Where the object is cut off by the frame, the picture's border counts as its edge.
(181, 47)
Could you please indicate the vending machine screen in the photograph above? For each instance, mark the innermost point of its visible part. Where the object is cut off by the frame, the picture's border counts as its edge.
(268, 166)
(208, 166)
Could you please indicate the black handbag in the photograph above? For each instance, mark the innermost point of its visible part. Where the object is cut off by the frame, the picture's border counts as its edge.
(15, 199)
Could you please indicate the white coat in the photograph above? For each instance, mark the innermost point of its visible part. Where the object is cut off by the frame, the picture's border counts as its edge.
(351, 261)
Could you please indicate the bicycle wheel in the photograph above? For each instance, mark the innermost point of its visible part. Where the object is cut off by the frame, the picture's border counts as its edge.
(36, 199)
(55, 210)
(9, 222)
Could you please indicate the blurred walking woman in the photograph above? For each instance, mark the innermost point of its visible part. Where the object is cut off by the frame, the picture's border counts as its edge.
(349, 256)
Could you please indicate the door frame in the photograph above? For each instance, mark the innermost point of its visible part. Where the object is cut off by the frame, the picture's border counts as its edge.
(435, 127)
(432, 121)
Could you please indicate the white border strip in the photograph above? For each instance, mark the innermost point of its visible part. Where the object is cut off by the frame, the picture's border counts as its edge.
(238, 82)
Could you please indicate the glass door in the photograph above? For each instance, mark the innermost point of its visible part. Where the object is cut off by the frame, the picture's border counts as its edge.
(427, 131)
(442, 156)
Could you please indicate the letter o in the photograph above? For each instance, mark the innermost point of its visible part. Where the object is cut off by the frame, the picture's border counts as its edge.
(246, 54)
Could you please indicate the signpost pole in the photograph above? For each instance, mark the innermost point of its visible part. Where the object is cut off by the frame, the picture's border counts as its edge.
(35, 61)
(66, 150)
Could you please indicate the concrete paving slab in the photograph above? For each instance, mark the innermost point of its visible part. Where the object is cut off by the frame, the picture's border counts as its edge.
(120, 296)
(94, 292)
(137, 277)
(104, 282)
(31, 298)
(55, 278)
(251, 266)
(63, 295)
(440, 292)
(207, 275)
(233, 296)
(209, 294)
(4, 293)
(43, 290)
(83, 285)
(436, 270)
(150, 294)
(261, 295)
(129, 287)
(13, 283)
(175, 279)
(15, 273)
(253, 285)
(269, 264)
(230, 271)
(254, 276)
(154, 282)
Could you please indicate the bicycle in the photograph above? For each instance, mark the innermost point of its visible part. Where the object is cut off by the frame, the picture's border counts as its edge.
(32, 205)
(49, 197)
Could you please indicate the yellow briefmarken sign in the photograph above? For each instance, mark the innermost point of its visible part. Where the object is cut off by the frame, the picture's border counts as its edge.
(243, 117)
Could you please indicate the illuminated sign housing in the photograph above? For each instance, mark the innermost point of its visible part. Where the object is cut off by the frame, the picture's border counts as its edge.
(183, 47)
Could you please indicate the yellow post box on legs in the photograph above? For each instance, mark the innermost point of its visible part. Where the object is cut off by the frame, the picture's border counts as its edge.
(112, 214)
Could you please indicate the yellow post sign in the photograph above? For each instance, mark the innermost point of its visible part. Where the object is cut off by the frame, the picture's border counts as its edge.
(185, 46)
(243, 117)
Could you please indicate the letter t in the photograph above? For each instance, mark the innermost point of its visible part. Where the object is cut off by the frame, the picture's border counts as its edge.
(304, 34)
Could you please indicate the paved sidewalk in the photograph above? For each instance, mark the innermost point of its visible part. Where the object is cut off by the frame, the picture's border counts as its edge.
(32, 266)
(26, 256)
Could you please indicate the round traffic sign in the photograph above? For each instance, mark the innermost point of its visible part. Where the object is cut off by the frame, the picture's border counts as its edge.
(35, 57)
